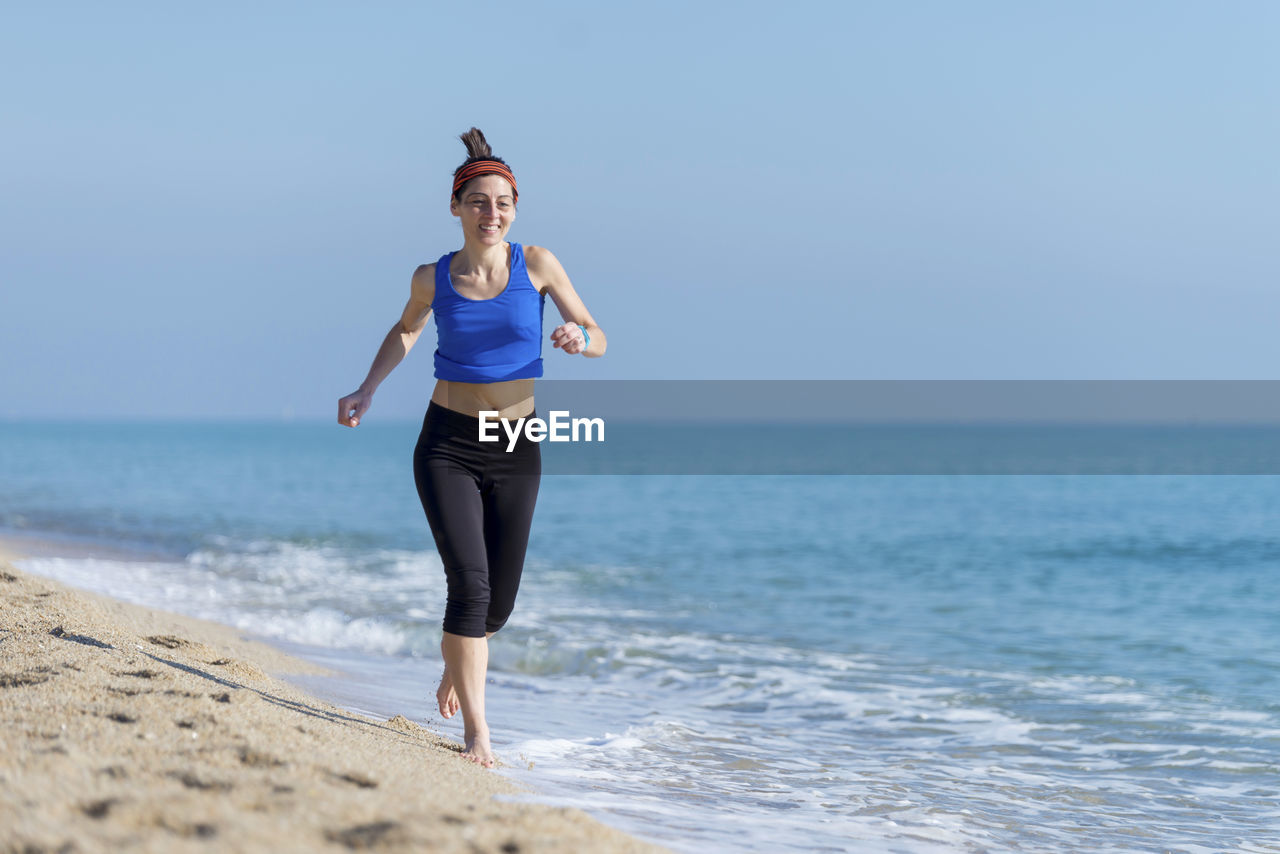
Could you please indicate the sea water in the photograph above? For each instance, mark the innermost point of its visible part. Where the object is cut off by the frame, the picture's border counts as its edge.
(909, 663)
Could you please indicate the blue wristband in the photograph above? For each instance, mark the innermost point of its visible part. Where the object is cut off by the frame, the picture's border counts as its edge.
(586, 339)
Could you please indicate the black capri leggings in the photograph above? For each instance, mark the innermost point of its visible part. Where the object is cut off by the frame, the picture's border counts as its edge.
(479, 501)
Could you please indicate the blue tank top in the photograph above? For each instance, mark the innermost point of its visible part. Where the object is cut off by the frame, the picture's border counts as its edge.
(491, 340)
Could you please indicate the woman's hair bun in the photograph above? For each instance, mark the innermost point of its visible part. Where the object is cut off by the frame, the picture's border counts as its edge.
(480, 161)
(477, 146)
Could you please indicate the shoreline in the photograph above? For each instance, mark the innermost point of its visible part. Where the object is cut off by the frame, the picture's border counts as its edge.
(125, 727)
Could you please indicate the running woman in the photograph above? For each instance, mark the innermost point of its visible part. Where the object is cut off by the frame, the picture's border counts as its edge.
(487, 298)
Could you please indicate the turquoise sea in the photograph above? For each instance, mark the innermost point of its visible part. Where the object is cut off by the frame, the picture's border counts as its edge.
(753, 662)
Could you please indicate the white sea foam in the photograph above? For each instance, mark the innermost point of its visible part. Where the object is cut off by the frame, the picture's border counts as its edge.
(329, 627)
(320, 596)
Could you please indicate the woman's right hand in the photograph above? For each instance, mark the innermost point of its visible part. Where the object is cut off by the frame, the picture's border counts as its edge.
(352, 407)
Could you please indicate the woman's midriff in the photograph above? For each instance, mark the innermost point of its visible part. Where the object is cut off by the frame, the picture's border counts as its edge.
(511, 399)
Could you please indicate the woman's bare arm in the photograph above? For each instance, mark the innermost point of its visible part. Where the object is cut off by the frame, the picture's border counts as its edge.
(549, 276)
(395, 346)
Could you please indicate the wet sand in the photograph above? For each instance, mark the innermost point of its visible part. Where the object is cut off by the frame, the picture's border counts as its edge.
(125, 728)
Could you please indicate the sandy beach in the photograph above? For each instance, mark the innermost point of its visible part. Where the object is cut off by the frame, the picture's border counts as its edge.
(129, 729)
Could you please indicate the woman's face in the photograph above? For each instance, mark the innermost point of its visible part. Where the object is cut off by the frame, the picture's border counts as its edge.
(486, 208)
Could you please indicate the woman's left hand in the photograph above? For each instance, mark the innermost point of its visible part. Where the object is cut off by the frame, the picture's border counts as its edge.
(569, 337)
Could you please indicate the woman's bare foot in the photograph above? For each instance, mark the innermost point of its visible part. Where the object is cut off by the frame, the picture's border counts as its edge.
(462, 689)
(477, 749)
(446, 696)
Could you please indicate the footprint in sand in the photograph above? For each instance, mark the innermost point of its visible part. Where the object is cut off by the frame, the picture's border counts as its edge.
(141, 674)
(258, 759)
(99, 809)
(362, 836)
(240, 669)
(59, 632)
(355, 779)
(28, 677)
(199, 830)
(191, 781)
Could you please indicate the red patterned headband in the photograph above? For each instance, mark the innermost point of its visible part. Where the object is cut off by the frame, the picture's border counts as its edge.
(485, 167)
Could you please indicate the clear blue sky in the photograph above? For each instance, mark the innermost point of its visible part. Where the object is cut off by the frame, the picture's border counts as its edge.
(214, 210)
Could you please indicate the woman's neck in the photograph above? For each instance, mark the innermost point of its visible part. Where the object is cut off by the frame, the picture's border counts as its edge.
(485, 260)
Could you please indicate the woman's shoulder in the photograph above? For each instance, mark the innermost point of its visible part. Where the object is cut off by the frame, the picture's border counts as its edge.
(424, 280)
(429, 268)
(532, 251)
(543, 267)
(540, 258)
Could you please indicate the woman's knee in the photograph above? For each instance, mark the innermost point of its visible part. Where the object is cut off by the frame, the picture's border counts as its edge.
(495, 621)
(502, 599)
(465, 619)
(467, 606)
